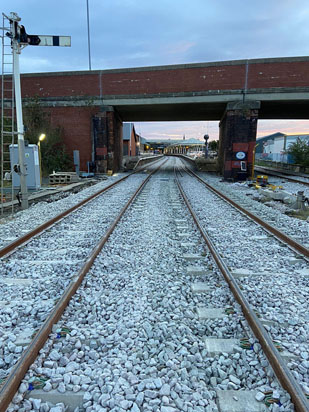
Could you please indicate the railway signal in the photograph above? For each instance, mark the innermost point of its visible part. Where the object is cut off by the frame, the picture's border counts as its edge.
(19, 40)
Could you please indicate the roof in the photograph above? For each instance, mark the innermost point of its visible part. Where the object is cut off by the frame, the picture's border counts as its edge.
(182, 142)
(187, 142)
(270, 136)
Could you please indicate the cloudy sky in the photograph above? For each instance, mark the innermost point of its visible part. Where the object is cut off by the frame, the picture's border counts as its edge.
(133, 33)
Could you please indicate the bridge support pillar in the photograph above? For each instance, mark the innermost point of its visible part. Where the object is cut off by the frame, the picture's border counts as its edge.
(107, 146)
(238, 128)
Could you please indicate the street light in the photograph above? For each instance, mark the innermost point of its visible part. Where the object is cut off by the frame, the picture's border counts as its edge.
(253, 161)
(41, 138)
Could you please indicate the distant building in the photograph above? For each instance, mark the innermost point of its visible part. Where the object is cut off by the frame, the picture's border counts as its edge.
(143, 145)
(173, 145)
(185, 146)
(131, 141)
(274, 146)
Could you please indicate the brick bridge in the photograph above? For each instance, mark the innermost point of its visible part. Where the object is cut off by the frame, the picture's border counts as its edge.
(90, 106)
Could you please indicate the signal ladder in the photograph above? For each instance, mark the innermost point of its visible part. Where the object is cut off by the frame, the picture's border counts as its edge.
(8, 131)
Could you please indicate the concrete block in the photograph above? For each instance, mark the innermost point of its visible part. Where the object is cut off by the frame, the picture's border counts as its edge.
(217, 346)
(6, 303)
(187, 244)
(180, 221)
(245, 402)
(200, 287)
(303, 272)
(16, 281)
(52, 262)
(183, 227)
(211, 313)
(70, 399)
(184, 234)
(294, 261)
(196, 270)
(192, 256)
(261, 237)
(25, 337)
(288, 356)
(241, 273)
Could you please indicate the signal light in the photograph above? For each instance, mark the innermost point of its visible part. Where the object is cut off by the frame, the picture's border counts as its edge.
(16, 169)
(23, 38)
(33, 40)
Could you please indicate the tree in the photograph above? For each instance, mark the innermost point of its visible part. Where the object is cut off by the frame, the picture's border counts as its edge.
(53, 152)
(213, 145)
(300, 152)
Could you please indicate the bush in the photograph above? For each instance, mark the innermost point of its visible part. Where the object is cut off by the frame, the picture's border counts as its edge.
(300, 152)
(53, 151)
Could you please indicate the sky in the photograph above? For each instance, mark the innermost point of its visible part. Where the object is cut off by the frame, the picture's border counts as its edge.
(135, 33)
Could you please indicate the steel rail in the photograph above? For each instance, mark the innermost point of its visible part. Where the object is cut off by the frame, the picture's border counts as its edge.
(9, 248)
(278, 174)
(279, 366)
(297, 247)
(29, 355)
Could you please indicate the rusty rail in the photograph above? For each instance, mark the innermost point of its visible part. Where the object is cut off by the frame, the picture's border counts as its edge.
(297, 247)
(282, 372)
(283, 176)
(29, 235)
(29, 355)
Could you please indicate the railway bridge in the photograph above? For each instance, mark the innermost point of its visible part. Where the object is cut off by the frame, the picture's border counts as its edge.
(90, 106)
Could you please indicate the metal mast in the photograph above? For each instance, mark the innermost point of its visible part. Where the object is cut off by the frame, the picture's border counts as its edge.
(7, 114)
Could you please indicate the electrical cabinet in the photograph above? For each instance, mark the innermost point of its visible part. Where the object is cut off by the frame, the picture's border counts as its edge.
(32, 162)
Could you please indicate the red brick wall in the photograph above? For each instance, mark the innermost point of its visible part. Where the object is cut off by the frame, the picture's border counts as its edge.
(284, 74)
(176, 80)
(60, 85)
(76, 133)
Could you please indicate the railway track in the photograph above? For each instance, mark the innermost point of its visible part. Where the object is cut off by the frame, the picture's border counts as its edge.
(295, 179)
(289, 241)
(279, 365)
(45, 253)
(130, 338)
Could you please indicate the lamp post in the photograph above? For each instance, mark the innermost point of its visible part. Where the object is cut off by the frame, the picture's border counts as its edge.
(206, 137)
(253, 161)
(41, 138)
(88, 29)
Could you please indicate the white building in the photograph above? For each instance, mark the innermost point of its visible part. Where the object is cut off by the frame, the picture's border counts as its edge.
(274, 147)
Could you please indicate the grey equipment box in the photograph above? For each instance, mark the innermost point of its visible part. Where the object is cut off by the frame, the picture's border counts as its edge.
(32, 165)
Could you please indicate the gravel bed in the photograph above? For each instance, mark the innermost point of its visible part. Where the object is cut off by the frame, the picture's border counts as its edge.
(273, 212)
(23, 221)
(273, 278)
(39, 272)
(135, 342)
